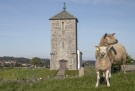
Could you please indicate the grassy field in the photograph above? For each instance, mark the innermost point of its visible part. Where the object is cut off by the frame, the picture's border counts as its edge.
(22, 73)
(119, 81)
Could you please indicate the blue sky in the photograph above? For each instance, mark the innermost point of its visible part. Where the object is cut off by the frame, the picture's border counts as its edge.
(25, 25)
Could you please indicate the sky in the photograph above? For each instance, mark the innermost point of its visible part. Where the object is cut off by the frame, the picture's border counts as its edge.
(25, 25)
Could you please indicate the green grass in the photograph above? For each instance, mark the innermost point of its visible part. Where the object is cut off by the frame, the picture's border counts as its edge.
(20, 73)
(71, 73)
(119, 81)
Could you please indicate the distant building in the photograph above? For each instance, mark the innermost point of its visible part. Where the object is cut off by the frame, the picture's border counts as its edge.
(79, 59)
(89, 63)
(64, 40)
(12, 61)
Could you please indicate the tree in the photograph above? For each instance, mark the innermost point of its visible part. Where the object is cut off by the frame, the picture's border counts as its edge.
(129, 60)
(36, 61)
(117, 67)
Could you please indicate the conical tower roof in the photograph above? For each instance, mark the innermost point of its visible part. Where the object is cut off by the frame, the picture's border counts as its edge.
(63, 15)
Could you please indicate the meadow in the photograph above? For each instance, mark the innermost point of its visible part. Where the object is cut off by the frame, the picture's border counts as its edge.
(13, 80)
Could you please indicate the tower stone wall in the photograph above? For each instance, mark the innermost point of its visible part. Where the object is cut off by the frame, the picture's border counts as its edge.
(63, 43)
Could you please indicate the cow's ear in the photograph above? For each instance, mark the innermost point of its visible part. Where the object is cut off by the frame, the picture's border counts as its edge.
(97, 48)
(113, 34)
(105, 35)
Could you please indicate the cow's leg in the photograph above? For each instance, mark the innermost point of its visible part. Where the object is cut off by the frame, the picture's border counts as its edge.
(98, 79)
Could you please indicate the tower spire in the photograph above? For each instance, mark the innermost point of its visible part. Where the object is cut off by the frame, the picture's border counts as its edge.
(64, 7)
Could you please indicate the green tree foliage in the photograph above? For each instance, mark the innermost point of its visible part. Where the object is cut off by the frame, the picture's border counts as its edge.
(117, 67)
(36, 61)
(129, 60)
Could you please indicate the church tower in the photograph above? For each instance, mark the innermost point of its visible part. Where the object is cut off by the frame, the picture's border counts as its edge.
(63, 40)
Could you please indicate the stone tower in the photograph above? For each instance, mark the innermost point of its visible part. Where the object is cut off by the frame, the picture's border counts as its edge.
(63, 40)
